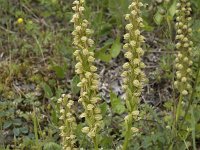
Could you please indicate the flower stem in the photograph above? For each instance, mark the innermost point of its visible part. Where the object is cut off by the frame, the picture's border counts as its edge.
(178, 108)
(95, 141)
(127, 135)
(191, 99)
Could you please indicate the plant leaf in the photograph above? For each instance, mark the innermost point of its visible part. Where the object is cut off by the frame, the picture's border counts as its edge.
(158, 18)
(103, 54)
(52, 146)
(7, 124)
(47, 90)
(17, 122)
(74, 88)
(16, 131)
(116, 48)
(104, 108)
(172, 9)
(116, 104)
(60, 72)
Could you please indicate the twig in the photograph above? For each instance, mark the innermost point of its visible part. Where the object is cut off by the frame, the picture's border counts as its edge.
(7, 30)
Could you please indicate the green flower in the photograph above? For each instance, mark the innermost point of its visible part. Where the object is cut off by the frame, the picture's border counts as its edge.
(184, 47)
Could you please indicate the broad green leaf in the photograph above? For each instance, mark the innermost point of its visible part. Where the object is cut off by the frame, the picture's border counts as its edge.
(158, 18)
(193, 123)
(172, 9)
(106, 141)
(148, 27)
(17, 122)
(116, 104)
(47, 90)
(196, 3)
(104, 108)
(16, 131)
(103, 54)
(74, 88)
(52, 146)
(116, 48)
(105, 29)
(168, 105)
(60, 72)
(24, 130)
(7, 124)
(196, 30)
(105, 57)
(197, 126)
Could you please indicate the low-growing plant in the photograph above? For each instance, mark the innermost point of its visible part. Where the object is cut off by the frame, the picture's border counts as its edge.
(133, 75)
(68, 122)
(86, 70)
(183, 59)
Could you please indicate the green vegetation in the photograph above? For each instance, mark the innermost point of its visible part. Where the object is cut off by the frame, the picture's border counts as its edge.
(65, 83)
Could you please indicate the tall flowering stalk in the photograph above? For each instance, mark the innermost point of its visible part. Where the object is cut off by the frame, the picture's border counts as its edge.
(184, 48)
(87, 71)
(68, 123)
(133, 75)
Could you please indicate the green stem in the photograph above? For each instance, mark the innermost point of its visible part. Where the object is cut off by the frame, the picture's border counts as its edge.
(178, 109)
(191, 99)
(96, 145)
(35, 127)
(127, 136)
(170, 27)
(193, 122)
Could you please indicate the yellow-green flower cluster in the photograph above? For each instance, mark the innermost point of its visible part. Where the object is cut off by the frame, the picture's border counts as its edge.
(86, 70)
(68, 123)
(133, 75)
(129, 118)
(184, 47)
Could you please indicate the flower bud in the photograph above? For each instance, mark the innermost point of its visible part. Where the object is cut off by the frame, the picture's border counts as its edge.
(137, 32)
(97, 110)
(127, 16)
(89, 31)
(90, 107)
(84, 39)
(93, 69)
(78, 28)
(137, 71)
(83, 115)
(134, 130)
(126, 65)
(126, 46)
(88, 75)
(136, 83)
(85, 52)
(185, 92)
(91, 134)
(127, 36)
(98, 117)
(176, 84)
(128, 55)
(90, 42)
(133, 43)
(178, 45)
(135, 113)
(91, 59)
(85, 130)
(184, 79)
(129, 27)
(60, 100)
